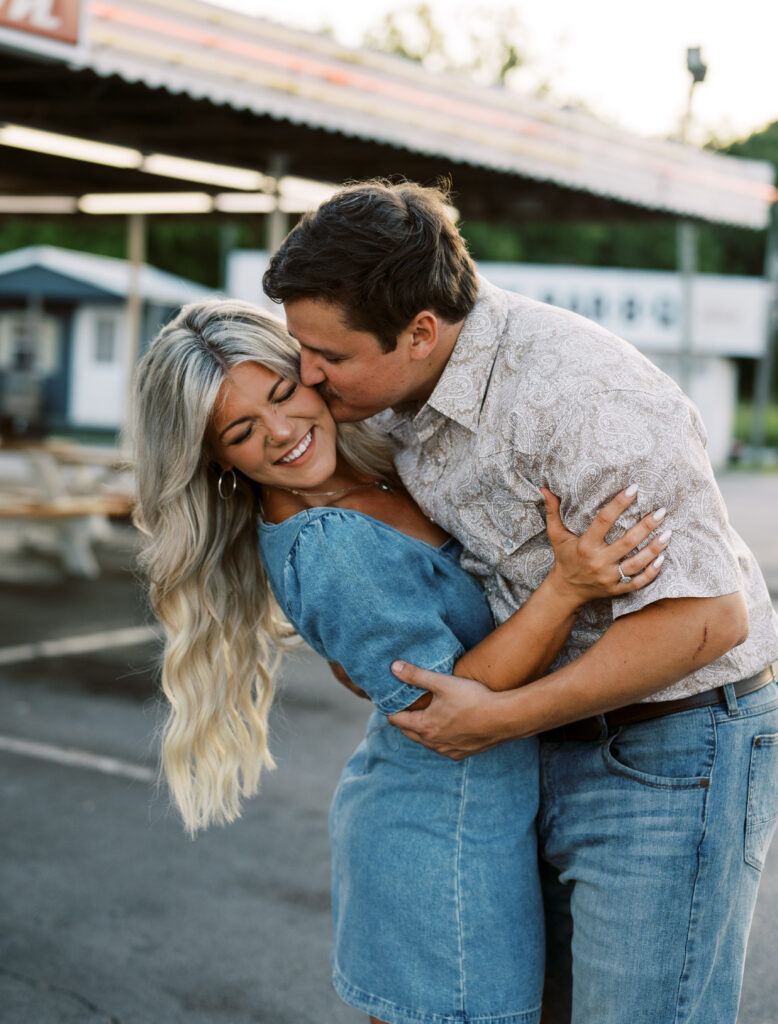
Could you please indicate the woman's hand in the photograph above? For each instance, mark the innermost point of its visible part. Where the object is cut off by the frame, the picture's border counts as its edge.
(587, 567)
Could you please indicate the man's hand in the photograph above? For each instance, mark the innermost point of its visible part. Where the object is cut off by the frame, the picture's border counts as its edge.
(457, 723)
(638, 655)
(344, 680)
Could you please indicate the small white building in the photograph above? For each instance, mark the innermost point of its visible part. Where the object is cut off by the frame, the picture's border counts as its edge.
(63, 319)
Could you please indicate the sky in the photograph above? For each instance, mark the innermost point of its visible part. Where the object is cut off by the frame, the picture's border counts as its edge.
(625, 61)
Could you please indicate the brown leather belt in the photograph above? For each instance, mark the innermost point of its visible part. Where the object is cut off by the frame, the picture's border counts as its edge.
(592, 728)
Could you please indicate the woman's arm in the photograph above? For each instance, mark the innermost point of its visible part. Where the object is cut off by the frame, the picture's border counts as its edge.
(585, 567)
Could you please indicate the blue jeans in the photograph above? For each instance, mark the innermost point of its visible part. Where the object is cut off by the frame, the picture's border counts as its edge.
(654, 839)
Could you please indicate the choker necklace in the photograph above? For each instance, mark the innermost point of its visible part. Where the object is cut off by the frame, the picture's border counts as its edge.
(343, 490)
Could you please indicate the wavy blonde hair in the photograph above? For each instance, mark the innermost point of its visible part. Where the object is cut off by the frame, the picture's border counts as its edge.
(224, 631)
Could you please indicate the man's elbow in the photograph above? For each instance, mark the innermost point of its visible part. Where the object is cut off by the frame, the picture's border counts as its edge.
(731, 626)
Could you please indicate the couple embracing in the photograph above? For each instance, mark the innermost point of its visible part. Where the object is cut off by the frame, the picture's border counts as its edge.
(575, 730)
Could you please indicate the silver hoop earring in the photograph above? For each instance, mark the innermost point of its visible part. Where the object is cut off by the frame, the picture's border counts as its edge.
(220, 486)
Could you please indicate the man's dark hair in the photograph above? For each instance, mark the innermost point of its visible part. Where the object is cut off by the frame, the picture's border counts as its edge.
(383, 252)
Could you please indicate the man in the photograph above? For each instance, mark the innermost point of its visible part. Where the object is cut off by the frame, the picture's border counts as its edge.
(655, 817)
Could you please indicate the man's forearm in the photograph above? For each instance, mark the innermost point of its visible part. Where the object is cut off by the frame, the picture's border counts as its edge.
(638, 655)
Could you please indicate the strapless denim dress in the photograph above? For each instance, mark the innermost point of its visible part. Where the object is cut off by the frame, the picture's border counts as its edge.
(437, 909)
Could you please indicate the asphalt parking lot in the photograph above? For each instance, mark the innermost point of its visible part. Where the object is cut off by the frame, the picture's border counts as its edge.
(110, 914)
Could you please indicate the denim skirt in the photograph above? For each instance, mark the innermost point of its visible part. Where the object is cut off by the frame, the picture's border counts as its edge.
(437, 908)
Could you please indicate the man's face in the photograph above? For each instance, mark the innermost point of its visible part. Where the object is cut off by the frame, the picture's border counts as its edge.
(349, 368)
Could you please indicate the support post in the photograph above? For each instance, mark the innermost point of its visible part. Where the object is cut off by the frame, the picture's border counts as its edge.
(764, 370)
(687, 266)
(136, 255)
(278, 221)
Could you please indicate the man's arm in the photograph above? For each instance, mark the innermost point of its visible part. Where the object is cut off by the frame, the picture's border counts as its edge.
(638, 655)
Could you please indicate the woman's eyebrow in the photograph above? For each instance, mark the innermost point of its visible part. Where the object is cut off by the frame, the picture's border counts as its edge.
(243, 419)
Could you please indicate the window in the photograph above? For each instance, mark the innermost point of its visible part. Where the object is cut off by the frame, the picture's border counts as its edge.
(105, 339)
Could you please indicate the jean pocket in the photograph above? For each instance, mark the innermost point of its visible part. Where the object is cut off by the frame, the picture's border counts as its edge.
(762, 806)
(672, 752)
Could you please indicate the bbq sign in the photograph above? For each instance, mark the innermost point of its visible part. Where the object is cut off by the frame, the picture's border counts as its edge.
(51, 19)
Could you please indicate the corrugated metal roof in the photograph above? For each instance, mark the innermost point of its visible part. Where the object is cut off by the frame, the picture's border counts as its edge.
(106, 273)
(218, 55)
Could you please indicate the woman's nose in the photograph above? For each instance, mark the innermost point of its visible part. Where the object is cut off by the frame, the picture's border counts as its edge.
(278, 425)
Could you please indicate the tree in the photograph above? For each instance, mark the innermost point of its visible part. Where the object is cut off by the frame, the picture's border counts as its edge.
(485, 43)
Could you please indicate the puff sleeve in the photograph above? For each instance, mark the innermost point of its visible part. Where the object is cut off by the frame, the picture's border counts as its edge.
(362, 599)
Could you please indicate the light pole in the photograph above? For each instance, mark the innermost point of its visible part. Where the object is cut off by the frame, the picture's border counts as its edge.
(687, 234)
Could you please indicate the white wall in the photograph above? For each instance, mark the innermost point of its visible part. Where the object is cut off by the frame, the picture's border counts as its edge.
(98, 377)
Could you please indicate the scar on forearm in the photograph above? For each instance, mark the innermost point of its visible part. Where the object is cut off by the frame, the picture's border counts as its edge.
(703, 642)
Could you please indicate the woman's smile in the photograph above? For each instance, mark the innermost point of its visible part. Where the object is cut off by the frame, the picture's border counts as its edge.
(296, 454)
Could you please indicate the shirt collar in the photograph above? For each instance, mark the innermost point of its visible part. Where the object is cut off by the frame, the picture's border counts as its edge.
(461, 389)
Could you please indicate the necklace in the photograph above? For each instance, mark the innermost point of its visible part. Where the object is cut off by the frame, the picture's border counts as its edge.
(343, 490)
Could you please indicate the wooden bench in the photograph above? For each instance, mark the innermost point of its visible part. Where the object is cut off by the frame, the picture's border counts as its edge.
(74, 517)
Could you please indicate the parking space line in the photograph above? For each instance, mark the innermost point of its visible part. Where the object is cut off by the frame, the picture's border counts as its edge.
(77, 758)
(128, 636)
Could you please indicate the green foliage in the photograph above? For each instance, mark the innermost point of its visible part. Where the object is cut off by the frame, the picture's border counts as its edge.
(606, 244)
(195, 249)
(489, 50)
(106, 238)
(744, 418)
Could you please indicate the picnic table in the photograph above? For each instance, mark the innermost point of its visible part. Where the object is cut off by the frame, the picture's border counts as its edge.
(74, 489)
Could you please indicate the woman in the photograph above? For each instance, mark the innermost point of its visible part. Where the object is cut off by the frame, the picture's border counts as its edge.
(252, 499)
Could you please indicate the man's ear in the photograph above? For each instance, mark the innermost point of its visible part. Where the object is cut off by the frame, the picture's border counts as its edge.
(424, 334)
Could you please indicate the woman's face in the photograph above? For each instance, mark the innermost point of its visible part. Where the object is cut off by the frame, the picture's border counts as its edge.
(272, 429)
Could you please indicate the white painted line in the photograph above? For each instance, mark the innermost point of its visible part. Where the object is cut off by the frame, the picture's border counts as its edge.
(129, 636)
(77, 758)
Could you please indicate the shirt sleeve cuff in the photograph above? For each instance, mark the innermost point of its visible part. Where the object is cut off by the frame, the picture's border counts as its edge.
(405, 695)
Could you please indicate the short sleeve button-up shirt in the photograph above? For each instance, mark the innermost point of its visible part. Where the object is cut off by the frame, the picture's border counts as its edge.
(536, 396)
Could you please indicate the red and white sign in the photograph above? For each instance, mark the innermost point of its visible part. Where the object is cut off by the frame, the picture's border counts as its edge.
(53, 19)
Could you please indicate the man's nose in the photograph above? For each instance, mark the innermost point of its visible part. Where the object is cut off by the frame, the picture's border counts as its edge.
(311, 372)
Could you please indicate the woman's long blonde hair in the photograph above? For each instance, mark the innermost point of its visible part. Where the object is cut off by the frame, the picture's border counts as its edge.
(224, 631)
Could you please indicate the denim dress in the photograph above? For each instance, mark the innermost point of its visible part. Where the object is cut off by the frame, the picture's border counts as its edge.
(437, 908)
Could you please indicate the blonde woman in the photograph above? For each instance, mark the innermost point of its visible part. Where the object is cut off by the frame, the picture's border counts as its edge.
(260, 512)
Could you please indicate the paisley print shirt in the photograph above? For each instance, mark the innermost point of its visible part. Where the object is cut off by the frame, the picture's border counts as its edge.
(532, 396)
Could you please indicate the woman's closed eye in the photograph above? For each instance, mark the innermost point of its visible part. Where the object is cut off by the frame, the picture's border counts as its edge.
(286, 393)
(241, 437)
(282, 393)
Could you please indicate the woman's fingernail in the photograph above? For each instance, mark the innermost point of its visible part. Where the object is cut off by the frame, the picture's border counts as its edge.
(659, 515)
(665, 537)
(632, 489)
(658, 561)
(398, 666)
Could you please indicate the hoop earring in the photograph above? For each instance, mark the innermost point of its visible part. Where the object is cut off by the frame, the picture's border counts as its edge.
(220, 485)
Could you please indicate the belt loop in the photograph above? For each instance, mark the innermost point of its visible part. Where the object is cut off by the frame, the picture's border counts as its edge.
(731, 698)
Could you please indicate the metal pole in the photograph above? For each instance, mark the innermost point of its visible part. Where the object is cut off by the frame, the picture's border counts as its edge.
(278, 221)
(687, 265)
(764, 371)
(136, 255)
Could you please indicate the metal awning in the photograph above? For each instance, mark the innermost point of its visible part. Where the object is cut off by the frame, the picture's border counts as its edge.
(188, 78)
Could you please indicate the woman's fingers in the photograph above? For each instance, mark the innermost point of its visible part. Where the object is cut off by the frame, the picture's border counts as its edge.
(636, 534)
(637, 562)
(609, 513)
(555, 528)
(641, 579)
